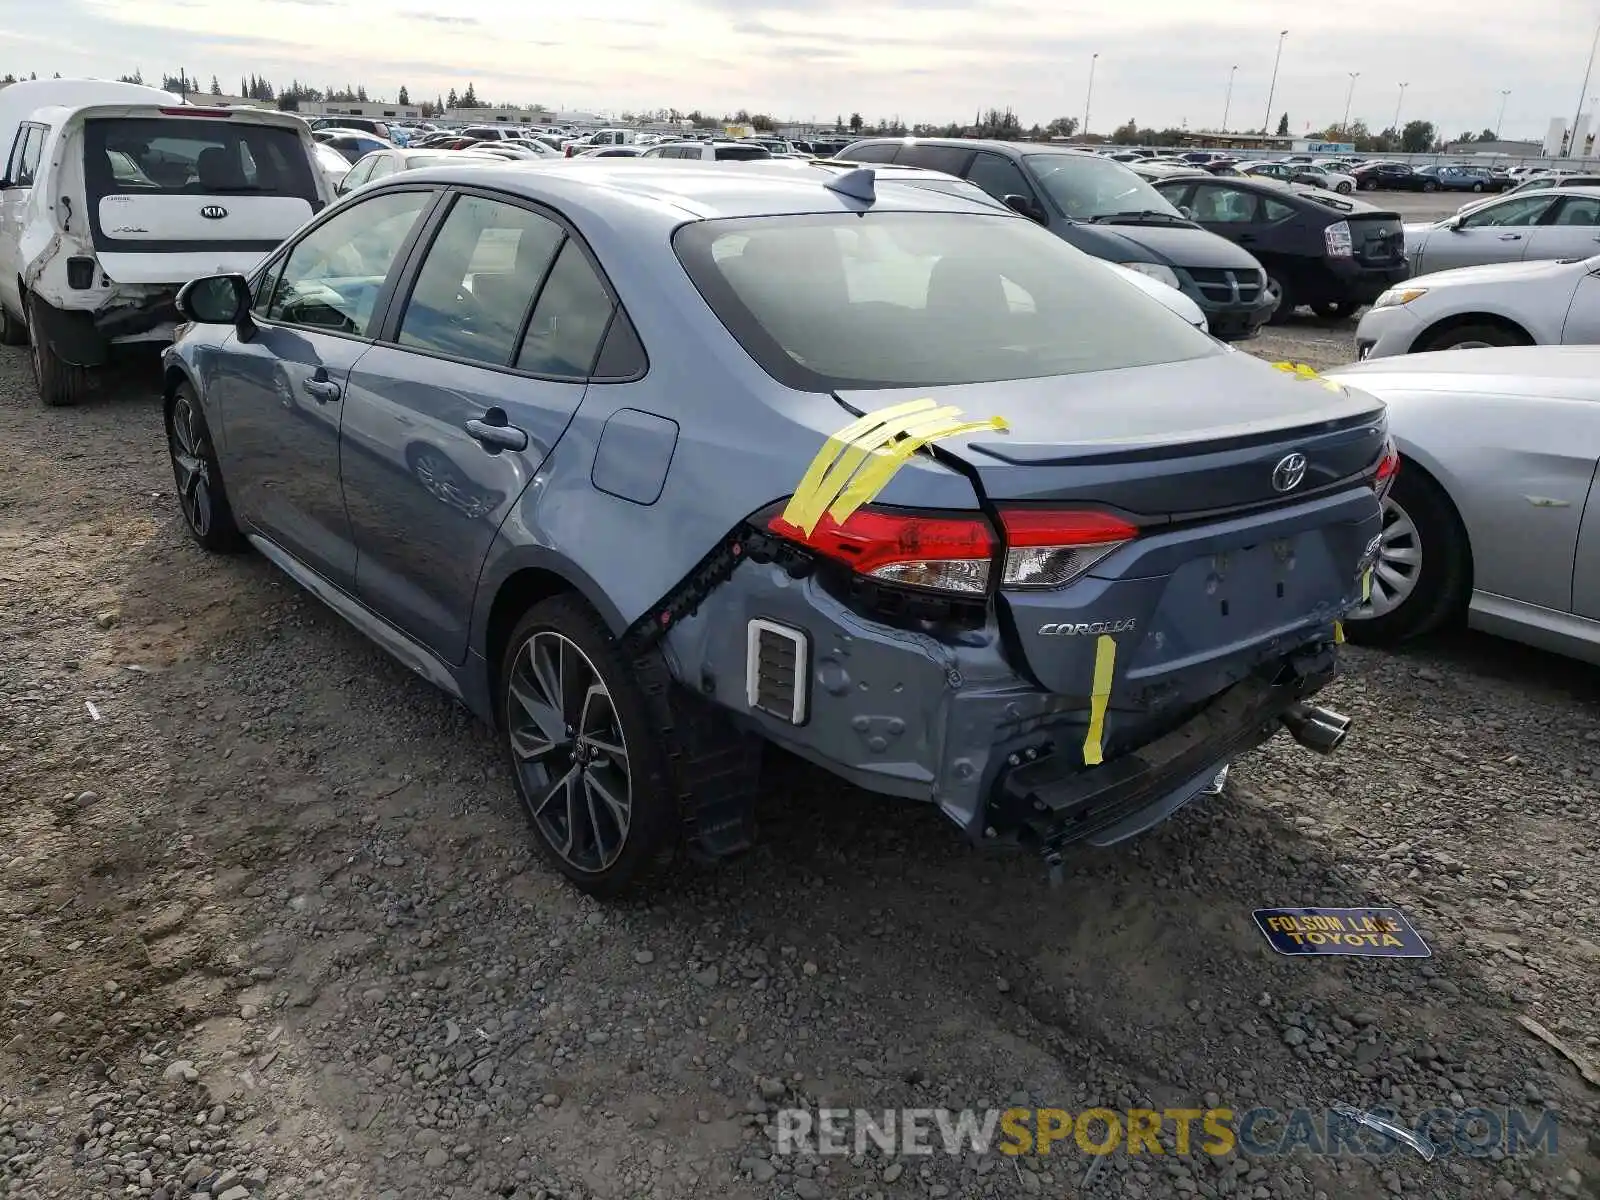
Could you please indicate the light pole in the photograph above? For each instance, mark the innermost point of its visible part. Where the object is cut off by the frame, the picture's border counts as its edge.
(1273, 86)
(1344, 126)
(1228, 102)
(1505, 94)
(1089, 97)
(1576, 151)
(1397, 104)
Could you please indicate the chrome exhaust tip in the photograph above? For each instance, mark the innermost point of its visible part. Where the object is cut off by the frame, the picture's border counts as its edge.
(1319, 729)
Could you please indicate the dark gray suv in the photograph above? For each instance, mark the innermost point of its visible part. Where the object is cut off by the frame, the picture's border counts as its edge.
(1104, 209)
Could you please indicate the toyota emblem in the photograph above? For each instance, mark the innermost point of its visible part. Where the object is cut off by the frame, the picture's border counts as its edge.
(213, 212)
(1289, 472)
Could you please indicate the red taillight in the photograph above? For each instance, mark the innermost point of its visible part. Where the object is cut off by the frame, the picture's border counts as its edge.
(948, 554)
(1388, 467)
(1048, 549)
(188, 111)
(1043, 549)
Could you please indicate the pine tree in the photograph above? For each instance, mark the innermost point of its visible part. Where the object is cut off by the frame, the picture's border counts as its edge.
(404, 97)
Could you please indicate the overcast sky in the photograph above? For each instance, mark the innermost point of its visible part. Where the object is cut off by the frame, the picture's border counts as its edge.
(1161, 61)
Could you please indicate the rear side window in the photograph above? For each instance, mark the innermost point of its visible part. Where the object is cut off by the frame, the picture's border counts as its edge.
(194, 157)
(569, 321)
(900, 299)
(741, 153)
(24, 166)
(478, 280)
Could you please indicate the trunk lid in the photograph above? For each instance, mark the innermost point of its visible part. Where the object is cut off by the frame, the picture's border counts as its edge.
(1229, 569)
(1162, 443)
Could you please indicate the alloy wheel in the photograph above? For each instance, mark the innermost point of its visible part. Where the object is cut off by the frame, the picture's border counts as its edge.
(1399, 565)
(570, 751)
(191, 464)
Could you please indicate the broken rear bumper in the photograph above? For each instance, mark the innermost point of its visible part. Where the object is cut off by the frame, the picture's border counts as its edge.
(1051, 798)
(83, 337)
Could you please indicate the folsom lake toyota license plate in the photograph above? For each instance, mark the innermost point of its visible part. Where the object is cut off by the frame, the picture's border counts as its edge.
(1365, 932)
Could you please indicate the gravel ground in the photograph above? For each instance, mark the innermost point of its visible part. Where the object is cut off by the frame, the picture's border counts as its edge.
(270, 924)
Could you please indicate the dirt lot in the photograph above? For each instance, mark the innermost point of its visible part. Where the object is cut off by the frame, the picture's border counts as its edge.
(270, 924)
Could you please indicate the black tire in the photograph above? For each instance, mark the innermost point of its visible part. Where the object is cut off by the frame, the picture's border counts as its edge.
(1430, 186)
(1443, 573)
(1344, 189)
(1462, 337)
(12, 331)
(1370, 185)
(651, 844)
(202, 499)
(1278, 284)
(61, 384)
(1334, 309)
(1477, 187)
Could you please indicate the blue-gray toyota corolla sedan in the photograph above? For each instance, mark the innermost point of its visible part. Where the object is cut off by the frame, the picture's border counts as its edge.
(647, 463)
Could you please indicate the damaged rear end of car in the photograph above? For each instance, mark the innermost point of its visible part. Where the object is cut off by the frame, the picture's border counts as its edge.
(1063, 557)
(139, 199)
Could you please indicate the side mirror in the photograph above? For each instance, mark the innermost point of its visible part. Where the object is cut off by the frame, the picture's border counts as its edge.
(1186, 212)
(215, 300)
(1026, 207)
(1454, 224)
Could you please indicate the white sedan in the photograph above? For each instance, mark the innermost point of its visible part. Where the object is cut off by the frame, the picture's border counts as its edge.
(1494, 515)
(1547, 303)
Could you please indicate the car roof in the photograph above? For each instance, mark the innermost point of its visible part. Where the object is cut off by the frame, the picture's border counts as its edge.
(984, 144)
(676, 190)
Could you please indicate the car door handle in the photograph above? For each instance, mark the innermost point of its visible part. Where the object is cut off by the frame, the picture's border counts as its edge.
(1247, 237)
(1510, 237)
(498, 436)
(323, 390)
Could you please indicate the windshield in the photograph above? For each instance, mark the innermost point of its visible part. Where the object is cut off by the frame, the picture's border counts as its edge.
(906, 299)
(1085, 187)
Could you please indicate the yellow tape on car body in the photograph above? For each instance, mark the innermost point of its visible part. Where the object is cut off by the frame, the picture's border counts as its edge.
(1302, 370)
(1338, 633)
(856, 463)
(1366, 586)
(1105, 662)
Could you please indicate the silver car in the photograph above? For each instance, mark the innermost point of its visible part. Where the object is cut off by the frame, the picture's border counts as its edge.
(1548, 223)
(1495, 512)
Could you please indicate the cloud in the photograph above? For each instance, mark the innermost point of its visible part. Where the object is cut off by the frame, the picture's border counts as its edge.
(1162, 62)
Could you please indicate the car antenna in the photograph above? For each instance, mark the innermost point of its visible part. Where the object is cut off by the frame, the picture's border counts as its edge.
(859, 184)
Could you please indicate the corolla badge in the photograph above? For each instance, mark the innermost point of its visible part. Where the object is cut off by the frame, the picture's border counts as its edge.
(213, 212)
(1289, 473)
(1083, 628)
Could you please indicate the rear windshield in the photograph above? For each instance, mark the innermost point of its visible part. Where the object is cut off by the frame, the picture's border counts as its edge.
(185, 156)
(741, 153)
(906, 299)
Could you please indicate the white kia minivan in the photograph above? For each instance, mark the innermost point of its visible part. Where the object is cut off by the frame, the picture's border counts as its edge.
(113, 196)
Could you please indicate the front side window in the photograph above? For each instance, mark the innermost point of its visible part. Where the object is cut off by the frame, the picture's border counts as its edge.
(896, 299)
(999, 176)
(359, 174)
(332, 277)
(742, 153)
(1524, 210)
(478, 280)
(1089, 188)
